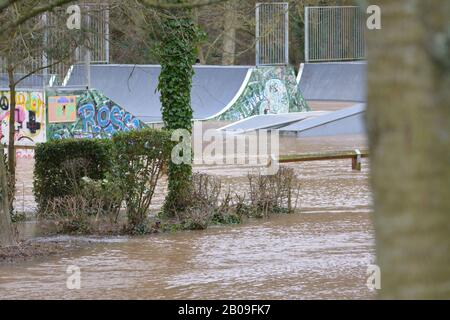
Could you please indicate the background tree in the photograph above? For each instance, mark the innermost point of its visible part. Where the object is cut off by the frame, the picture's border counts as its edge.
(409, 125)
(229, 33)
(6, 230)
(34, 45)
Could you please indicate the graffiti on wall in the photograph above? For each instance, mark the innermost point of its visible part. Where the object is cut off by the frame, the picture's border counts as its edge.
(29, 118)
(270, 90)
(62, 109)
(91, 115)
(25, 154)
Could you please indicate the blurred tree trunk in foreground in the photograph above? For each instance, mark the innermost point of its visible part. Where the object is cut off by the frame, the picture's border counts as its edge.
(409, 128)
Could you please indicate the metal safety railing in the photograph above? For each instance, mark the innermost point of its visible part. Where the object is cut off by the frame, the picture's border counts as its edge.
(272, 33)
(334, 34)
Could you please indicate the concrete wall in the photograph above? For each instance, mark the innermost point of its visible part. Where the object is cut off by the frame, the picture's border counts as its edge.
(30, 117)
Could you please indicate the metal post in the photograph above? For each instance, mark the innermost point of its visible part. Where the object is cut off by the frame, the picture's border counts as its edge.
(107, 35)
(286, 40)
(44, 55)
(87, 61)
(307, 34)
(87, 56)
(258, 57)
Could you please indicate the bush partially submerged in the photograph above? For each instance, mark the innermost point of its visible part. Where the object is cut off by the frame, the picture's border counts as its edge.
(139, 159)
(211, 204)
(80, 180)
(60, 166)
(91, 202)
(273, 193)
(208, 204)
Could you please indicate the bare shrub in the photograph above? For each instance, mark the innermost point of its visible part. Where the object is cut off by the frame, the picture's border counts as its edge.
(202, 203)
(210, 204)
(207, 204)
(273, 194)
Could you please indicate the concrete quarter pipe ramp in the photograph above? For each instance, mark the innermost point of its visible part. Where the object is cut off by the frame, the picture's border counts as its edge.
(340, 81)
(270, 90)
(133, 87)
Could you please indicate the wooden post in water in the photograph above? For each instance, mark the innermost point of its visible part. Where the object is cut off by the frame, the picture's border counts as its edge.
(356, 161)
(6, 232)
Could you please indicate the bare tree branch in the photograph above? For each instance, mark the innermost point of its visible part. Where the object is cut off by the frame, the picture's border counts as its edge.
(5, 4)
(33, 13)
(157, 4)
(40, 69)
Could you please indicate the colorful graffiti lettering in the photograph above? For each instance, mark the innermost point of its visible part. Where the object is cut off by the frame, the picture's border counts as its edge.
(105, 119)
(96, 117)
(270, 90)
(29, 118)
(62, 109)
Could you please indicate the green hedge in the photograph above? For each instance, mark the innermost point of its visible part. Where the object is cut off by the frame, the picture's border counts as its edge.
(132, 162)
(60, 165)
(139, 160)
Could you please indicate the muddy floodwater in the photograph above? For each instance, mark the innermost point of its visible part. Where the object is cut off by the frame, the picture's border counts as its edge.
(322, 252)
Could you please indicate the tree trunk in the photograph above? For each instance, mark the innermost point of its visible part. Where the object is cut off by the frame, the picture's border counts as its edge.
(175, 84)
(200, 53)
(229, 33)
(409, 128)
(6, 232)
(11, 142)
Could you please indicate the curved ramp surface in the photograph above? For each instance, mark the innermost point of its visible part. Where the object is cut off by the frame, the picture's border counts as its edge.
(133, 87)
(340, 81)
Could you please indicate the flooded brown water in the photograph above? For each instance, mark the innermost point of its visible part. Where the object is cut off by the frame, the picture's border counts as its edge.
(322, 252)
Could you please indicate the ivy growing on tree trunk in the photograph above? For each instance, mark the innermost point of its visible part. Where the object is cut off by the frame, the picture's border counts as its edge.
(177, 53)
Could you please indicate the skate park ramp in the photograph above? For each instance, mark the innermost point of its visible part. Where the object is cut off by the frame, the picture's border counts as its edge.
(33, 82)
(133, 87)
(333, 81)
(347, 121)
(270, 121)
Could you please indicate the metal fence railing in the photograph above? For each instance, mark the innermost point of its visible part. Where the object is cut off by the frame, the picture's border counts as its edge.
(272, 33)
(334, 34)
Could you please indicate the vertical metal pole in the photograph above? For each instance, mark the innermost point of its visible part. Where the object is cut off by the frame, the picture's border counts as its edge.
(306, 34)
(87, 61)
(44, 55)
(263, 24)
(87, 57)
(107, 35)
(258, 57)
(286, 40)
